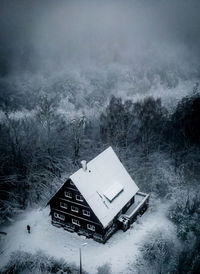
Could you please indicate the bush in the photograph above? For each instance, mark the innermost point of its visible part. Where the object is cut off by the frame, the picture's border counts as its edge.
(104, 269)
(157, 254)
(39, 262)
(185, 213)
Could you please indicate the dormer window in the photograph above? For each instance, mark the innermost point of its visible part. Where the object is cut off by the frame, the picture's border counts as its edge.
(68, 194)
(79, 198)
(113, 191)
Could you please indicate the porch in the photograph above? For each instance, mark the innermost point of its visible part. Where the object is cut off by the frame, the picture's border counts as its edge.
(139, 207)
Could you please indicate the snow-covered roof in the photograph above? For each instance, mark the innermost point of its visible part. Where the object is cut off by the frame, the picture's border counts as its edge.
(105, 185)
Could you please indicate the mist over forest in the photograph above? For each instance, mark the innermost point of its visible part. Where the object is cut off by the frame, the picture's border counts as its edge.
(87, 51)
(79, 76)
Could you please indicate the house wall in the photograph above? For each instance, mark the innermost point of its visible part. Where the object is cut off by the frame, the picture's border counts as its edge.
(69, 213)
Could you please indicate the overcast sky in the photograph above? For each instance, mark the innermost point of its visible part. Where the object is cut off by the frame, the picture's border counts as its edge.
(57, 34)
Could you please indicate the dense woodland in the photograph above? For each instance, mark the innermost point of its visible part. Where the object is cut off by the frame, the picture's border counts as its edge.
(160, 149)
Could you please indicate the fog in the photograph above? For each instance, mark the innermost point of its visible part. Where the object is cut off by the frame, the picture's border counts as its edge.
(126, 48)
(75, 78)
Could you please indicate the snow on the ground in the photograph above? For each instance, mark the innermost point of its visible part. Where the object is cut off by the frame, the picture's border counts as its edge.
(119, 251)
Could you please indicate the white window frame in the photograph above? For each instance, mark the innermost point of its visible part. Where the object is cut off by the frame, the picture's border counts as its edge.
(79, 198)
(128, 204)
(59, 216)
(91, 227)
(74, 209)
(68, 194)
(63, 205)
(86, 212)
(75, 222)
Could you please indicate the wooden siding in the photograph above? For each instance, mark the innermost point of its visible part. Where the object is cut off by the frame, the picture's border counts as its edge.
(68, 212)
(60, 199)
(83, 223)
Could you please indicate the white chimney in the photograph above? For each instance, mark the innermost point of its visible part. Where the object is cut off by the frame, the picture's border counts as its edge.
(84, 165)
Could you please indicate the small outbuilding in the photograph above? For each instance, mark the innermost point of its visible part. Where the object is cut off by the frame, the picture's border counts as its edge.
(98, 199)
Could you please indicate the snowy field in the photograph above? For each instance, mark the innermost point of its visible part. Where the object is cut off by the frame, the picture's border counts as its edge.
(120, 251)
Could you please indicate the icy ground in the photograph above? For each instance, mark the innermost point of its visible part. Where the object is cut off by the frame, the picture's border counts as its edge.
(119, 251)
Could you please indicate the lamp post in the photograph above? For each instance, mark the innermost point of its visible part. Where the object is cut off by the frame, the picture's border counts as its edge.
(80, 256)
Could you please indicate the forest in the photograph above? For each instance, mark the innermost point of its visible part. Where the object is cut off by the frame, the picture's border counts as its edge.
(70, 88)
(159, 149)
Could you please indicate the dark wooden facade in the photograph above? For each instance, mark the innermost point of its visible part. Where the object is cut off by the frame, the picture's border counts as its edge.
(70, 210)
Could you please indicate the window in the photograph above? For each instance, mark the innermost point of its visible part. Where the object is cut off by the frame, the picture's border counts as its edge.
(68, 194)
(71, 183)
(129, 203)
(86, 212)
(74, 208)
(79, 198)
(91, 227)
(59, 216)
(63, 205)
(75, 222)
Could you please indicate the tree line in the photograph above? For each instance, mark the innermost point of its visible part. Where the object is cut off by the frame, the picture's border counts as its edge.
(37, 149)
(160, 149)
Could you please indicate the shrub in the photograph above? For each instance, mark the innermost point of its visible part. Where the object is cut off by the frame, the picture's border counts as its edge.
(157, 254)
(185, 213)
(104, 269)
(37, 263)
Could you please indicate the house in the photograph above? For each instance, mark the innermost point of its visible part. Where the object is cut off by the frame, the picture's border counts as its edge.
(98, 199)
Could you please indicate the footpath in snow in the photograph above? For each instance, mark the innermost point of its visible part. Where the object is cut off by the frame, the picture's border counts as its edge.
(119, 251)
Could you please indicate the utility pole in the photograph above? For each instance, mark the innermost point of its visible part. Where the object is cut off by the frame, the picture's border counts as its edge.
(80, 260)
(80, 256)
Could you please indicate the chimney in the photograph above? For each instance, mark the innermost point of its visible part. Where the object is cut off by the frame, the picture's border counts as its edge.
(84, 165)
